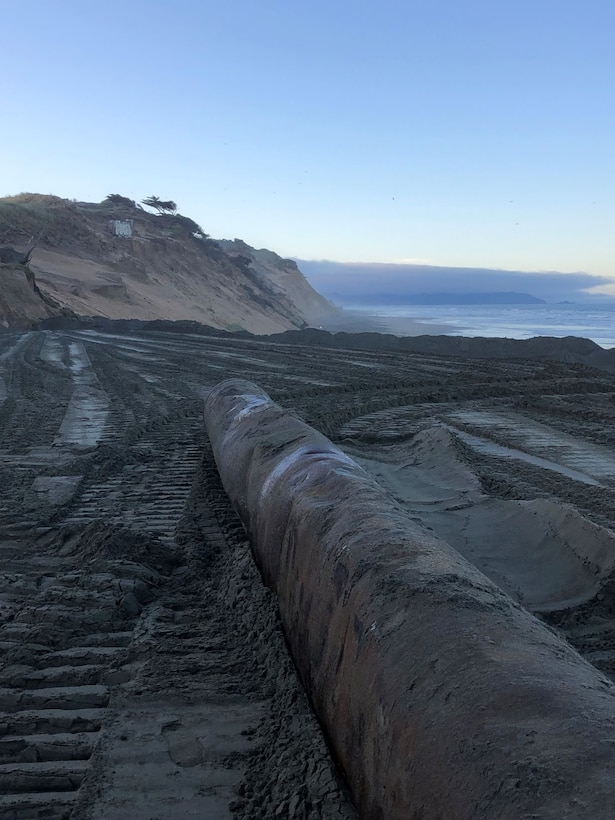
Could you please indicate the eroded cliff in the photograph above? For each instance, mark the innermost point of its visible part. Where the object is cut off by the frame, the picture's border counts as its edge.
(116, 260)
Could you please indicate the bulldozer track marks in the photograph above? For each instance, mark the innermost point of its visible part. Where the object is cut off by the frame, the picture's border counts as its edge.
(102, 446)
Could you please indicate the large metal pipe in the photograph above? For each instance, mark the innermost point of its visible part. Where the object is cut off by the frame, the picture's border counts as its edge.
(441, 697)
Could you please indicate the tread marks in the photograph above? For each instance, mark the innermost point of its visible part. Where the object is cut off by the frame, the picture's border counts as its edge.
(150, 490)
(141, 474)
(64, 646)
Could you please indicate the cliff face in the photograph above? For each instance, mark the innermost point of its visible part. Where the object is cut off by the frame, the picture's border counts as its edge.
(165, 269)
(19, 304)
(284, 277)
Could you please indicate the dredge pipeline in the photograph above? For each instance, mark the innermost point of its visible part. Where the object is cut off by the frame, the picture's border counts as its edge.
(441, 697)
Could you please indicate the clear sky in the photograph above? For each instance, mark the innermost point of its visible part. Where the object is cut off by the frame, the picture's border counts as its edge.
(476, 133)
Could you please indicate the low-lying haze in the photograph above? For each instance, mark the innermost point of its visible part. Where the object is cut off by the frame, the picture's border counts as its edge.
(382, 283)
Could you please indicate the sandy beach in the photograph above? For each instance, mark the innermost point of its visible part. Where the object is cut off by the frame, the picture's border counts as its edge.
(358, 321)
(144, 672)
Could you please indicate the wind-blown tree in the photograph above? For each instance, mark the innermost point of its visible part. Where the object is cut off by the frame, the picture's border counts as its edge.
(151, 201)
(162, 206)
(118, 199)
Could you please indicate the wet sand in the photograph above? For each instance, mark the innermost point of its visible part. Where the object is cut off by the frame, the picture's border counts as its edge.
(358, 321)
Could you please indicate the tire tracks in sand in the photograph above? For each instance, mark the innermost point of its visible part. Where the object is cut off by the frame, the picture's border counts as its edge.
(143, 669)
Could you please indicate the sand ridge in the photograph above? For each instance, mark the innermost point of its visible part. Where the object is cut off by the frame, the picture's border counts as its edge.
(543, 552)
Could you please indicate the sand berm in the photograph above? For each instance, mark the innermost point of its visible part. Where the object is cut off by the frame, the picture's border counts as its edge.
(440, 695)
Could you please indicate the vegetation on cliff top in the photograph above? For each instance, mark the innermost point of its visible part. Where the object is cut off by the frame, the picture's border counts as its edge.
(58, 220)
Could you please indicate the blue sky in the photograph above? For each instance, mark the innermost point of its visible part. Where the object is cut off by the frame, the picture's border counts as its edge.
(473, 134)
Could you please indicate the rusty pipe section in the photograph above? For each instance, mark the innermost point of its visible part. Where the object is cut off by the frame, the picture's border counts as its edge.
(441, 697)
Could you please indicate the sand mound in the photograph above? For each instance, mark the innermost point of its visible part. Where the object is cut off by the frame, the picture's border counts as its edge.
(425, 473)
(542, 552)
(435, 450)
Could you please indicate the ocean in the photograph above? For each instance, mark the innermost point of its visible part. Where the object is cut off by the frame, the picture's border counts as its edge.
(591, 321)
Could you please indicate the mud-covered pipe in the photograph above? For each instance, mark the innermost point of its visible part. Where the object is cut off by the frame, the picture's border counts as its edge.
(441, 697)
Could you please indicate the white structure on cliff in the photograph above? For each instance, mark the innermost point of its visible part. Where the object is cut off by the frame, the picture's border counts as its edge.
(121, 227)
